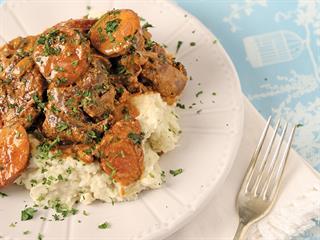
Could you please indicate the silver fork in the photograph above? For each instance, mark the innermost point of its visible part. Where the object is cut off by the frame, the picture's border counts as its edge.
(260, 185)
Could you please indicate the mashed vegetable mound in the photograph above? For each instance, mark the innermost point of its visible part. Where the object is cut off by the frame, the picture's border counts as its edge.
(69, 180)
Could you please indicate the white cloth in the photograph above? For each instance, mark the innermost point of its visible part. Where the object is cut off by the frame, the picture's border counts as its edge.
(299, 196)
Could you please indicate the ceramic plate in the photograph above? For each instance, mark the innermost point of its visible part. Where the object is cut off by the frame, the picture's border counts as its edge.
(211, 123)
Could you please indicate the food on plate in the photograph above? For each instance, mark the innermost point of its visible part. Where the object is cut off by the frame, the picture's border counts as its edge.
(14, 153)
(86, 109)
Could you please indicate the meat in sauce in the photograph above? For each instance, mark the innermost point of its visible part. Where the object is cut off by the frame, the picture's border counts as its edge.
(14, 153)
(74, 83)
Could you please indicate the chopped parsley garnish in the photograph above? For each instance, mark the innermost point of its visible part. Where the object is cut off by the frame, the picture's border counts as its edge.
(26, 232)
(136, 138)
(61, 80)
(2, 195)
(75, 63)
(215, 41)
(54, 109)
(88, 151)
(69, 170)
(59, 69)
(92, 134)
(40, 236)
(106, 127)
(104, 225)
(101, 36)
(214, 94)
(299, 125)
(179, 44)
(27, 213)
(49, 40)
(120, 69)
(147, 25)
(182, 106)
(112, 168)
(38, 102)
(13, 224)
(192, 44)
(111, 27)
(46, 147)
(176, 172)
(62, 126)
(199, 93)
(61, 209)
(149, 44)
(84, 212)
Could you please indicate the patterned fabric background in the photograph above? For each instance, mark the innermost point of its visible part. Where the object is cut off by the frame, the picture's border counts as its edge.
(275, 46)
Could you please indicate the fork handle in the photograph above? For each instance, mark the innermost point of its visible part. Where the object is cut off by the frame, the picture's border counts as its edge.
(241, 231)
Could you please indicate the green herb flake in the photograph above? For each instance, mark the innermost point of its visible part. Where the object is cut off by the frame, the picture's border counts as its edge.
(61, 80)
(215, 41)
(147, 25)
(149, 44)
(179, 44)
(104, 225)
(26, 232)
(192, 44)
(27, 213)
(13, 224)
(299, 125)
(92, 134)
(2, 195)
(75, 63)
(59, 69)
(199, 111)
(62, 126)
(54, 109)
(38, 102)
(69, 170)
(214, 93)
(176, 172)
(40, 236)
(111, 27)
(136, 138)
(112, 168)
(182, 106)
(199, 93)
(85, 213)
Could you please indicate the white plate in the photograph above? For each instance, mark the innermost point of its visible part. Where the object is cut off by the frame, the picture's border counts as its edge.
(209, 141)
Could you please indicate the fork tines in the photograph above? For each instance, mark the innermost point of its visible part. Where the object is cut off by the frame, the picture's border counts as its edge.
(265, 171)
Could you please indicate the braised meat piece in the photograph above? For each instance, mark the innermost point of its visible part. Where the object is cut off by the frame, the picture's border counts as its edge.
(96, 85)
(21, 84)
(62, 54)
(65, 118)
(121, 152)
(163, 74)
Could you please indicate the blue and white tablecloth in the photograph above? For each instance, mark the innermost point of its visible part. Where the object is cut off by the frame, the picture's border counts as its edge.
(275, 46)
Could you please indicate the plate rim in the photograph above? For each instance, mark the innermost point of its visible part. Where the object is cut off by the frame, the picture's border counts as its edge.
(180, 223)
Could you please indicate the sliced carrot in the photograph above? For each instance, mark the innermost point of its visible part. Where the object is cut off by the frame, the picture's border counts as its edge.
(14, 153)
(115, 31)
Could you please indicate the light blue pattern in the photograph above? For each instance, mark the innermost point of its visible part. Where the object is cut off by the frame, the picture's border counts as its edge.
(275, 46)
